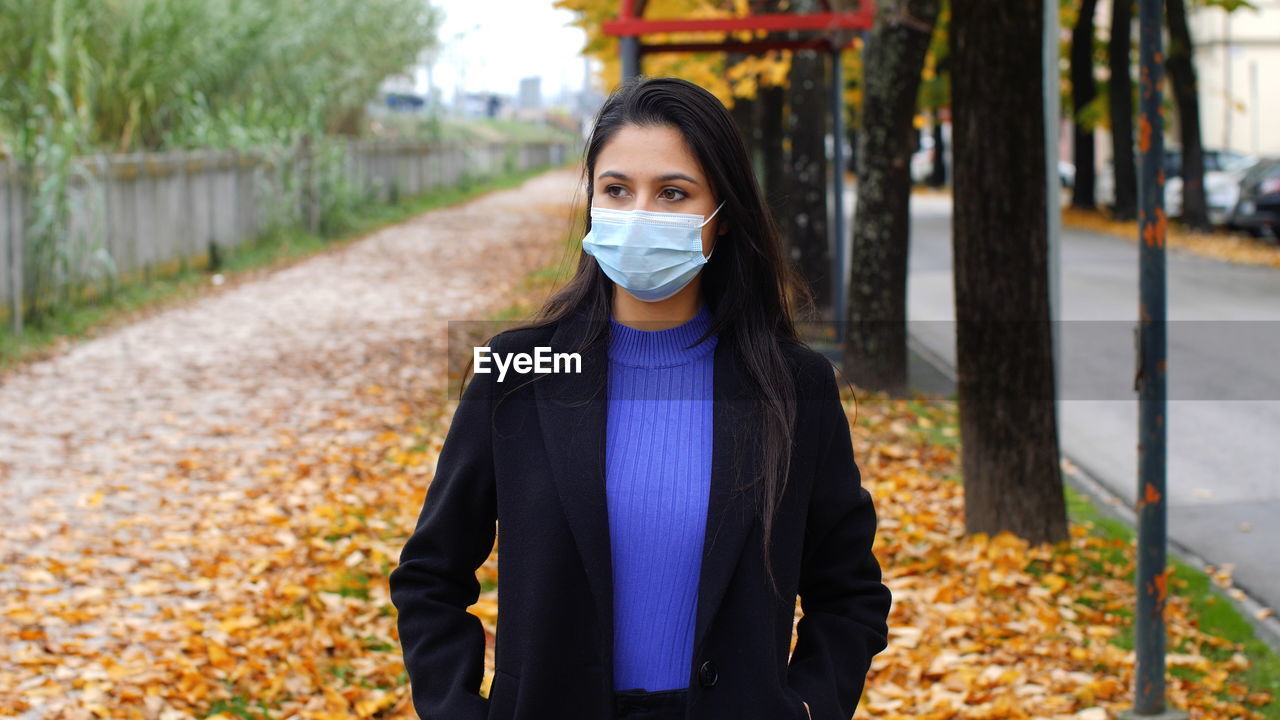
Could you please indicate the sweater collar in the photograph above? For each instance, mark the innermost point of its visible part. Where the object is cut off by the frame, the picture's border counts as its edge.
(661, 348)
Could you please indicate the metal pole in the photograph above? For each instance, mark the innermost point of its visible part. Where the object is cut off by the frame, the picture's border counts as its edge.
(629, 45)
(1152, 576)
(837, 175)
(1053, 193)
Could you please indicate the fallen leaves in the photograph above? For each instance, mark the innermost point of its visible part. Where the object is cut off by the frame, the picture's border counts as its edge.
(1219, 244)
(991, 627)
(212, 499)
(269, 599)
(288, 609)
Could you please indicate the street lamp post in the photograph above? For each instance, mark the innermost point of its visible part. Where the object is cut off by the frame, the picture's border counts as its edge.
(1152, 577)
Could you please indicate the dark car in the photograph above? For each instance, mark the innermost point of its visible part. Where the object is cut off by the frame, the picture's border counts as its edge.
(1258, 210)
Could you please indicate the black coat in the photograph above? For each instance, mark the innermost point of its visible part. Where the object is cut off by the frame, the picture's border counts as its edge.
(530, 455)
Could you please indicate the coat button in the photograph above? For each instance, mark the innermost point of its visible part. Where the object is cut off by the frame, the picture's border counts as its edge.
(707, 674)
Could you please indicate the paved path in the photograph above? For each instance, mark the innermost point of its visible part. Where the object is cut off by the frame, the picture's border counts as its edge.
(1224, 383)
(115, 450)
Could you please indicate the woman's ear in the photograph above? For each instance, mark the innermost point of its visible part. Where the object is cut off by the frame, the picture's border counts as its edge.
(722, 228)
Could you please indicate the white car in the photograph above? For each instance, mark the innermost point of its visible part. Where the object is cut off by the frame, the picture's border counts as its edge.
(1221, 187)
(1066, 174)
(1223, 172)
(922, 160)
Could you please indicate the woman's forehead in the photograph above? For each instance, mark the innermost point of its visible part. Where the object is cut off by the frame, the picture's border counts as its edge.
(648, 153)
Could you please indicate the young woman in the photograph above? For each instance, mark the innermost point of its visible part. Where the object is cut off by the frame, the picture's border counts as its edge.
(660, 505)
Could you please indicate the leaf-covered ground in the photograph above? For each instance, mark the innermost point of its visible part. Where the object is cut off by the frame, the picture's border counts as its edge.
(197, 509)
(1219, 244)
(246, 576)
(281, 608)
(1235, 247)
(989, 627)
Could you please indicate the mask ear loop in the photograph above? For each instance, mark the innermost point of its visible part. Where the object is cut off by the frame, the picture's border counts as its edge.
(704, 222)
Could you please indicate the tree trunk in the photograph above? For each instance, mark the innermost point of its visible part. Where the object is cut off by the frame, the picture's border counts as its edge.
(875, 346)
(851, 159)
(772, 106)
(808, 242)
(1083, 91)
(938, 174)
(1182, 75)
(1120, 98)
(744, 112)
(1005, 381)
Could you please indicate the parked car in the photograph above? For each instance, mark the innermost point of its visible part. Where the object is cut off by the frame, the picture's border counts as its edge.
(1067, 174)
(1104, 183)
(922, 160)
(1223, 171)
(1258, 209)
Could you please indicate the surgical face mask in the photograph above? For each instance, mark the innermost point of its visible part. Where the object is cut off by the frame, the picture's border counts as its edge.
(651, 255)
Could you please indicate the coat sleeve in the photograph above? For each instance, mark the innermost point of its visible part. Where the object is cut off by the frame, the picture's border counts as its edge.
(435, 582)
(845, 606)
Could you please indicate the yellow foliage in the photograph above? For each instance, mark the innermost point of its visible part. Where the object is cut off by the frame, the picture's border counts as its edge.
(708, 70)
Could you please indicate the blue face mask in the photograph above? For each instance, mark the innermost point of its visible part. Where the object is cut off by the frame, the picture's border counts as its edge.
(651, 255)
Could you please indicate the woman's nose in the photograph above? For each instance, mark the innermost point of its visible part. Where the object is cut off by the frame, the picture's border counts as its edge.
(644, 202)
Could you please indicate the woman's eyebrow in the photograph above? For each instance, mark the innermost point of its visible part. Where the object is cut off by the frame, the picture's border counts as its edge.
(660, 178)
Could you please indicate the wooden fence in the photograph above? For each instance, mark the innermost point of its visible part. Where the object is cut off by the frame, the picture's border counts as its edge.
(150, 211)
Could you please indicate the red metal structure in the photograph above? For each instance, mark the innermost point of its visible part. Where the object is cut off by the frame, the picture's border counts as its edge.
(834, 30)
(829, 30)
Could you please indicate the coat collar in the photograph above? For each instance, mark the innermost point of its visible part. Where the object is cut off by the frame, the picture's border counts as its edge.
(572, 411)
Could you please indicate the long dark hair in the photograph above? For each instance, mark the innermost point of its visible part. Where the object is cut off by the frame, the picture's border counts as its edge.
(749, 286)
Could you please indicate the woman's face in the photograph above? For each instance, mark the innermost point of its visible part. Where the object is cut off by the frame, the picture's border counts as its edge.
(651, 168)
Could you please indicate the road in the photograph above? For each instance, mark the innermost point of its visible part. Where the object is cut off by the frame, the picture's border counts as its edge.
(1224, 386)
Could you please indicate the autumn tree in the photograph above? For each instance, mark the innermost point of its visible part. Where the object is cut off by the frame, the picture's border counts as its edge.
(875, 346)
(1083, 90)
(746, 114)
(1186, 96)
(805, 221)
(772, 108)
(771, 97)
(938, 171)
(761, 81)
(935, 93)
(1120, 102)
(1004, 359)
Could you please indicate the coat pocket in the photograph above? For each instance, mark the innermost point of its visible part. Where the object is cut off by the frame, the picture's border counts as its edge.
(502, 696)
(798, 703)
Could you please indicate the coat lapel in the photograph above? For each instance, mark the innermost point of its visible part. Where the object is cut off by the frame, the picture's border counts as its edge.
(731, 505)
(572, 411)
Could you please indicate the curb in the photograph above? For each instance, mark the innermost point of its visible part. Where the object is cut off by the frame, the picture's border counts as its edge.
(1266, 628)
(1109, 503)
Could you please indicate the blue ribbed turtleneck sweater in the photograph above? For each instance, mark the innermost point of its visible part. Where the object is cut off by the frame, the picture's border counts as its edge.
(657, 477)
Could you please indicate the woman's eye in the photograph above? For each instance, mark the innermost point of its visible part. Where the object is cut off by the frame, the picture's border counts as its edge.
(609, 190)
(679, 194)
